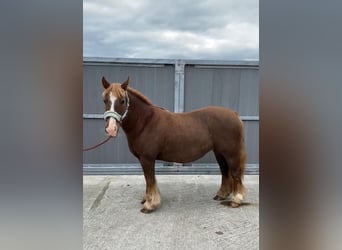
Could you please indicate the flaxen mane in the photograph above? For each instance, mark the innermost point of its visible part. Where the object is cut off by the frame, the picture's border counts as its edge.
(139, 95)
(143, 98)
(119, 92)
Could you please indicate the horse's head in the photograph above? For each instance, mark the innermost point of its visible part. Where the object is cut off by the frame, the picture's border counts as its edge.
(116, 102)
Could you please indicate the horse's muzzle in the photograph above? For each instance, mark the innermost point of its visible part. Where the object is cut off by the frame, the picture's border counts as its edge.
(112, 128)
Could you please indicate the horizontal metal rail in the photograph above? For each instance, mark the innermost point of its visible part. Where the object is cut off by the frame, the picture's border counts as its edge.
(226, 67)
(151, 62)
(126, 64)
(243, 117)
(135, 169)
(92, 116)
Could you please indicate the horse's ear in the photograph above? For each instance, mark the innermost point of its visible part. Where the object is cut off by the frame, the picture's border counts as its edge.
(105, 83)
(125, 84)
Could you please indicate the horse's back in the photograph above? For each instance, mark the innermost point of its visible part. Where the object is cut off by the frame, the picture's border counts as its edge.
(208, 123)
(217, 116)
(210, 117)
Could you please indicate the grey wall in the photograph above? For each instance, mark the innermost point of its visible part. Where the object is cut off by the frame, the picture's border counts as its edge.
(154, 80)
(178, 85)
(231, 87)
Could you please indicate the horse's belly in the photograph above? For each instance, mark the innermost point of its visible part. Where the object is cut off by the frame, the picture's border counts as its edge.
(184, 153)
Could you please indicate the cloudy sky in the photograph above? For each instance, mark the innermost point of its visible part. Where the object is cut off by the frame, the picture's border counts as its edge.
(171, 29)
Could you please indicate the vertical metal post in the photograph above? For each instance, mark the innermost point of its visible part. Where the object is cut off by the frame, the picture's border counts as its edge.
(179, 86)
(179, 93)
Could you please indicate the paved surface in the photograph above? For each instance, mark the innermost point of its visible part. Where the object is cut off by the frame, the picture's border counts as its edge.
(188, 218)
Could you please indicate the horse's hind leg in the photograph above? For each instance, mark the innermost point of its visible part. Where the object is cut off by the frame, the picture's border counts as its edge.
(237, 166)
(226, 182)
(152, 196)
(143, 199)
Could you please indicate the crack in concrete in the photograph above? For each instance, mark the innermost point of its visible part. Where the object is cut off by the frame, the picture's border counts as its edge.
(99, 198)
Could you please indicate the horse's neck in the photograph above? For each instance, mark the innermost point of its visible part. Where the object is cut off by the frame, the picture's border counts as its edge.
(138, 115)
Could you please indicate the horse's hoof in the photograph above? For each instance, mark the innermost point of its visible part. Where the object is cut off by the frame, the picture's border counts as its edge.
(146, 211)
(218, 198)
(234, 204)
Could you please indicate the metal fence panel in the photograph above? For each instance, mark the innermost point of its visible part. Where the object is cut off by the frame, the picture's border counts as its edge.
(230, 87)
(178, 85)
(154, 81)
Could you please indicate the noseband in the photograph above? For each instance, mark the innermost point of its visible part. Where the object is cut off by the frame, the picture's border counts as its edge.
(115, 114)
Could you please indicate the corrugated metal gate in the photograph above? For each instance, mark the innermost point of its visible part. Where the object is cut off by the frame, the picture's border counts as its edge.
(178, 85)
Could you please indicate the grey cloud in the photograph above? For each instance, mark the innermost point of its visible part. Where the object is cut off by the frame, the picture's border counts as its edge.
(139, 29)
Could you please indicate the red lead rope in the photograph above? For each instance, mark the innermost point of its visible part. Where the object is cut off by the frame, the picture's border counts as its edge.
(97, 145)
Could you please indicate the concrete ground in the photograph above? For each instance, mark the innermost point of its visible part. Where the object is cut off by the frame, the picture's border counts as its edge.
(188, 218)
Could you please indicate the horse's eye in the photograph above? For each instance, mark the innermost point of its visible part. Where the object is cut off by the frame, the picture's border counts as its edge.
(122, 101)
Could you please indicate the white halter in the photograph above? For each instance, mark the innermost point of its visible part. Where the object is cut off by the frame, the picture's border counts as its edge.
(115, 114)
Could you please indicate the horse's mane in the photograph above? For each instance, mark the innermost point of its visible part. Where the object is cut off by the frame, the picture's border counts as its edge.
(139, 95)
(119, 92)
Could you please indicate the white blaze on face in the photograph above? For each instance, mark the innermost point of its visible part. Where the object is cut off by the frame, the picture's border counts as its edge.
(112, 127)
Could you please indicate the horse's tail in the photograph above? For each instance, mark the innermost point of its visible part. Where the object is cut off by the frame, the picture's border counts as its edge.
(238, 188)
(243, 154)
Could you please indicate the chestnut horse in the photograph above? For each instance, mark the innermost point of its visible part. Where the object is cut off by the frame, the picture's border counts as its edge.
(154, 133)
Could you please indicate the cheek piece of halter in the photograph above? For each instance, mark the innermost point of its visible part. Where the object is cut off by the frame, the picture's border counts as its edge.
(115, 114)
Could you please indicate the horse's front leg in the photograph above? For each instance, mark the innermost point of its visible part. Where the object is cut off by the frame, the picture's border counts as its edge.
(152, 196)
